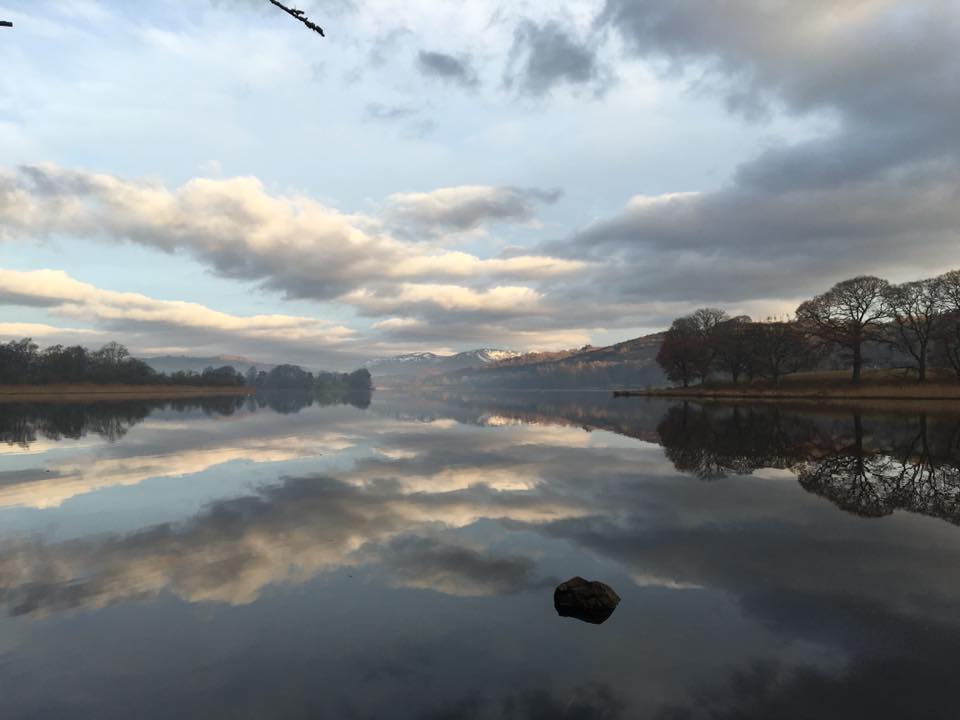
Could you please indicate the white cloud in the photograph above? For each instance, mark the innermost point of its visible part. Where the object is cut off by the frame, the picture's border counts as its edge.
(133, 312)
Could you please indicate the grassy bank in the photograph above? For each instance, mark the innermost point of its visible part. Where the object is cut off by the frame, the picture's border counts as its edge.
(91, 391)
(874, 385)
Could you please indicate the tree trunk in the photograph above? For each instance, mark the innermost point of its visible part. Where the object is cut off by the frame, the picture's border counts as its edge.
(857, 362)
(922, 365)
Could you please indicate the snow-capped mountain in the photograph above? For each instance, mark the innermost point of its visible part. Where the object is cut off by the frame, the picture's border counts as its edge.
(428, 362)
(487, 355)
(425, 359)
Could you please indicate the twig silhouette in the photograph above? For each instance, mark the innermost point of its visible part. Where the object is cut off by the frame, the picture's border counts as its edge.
(298, 14)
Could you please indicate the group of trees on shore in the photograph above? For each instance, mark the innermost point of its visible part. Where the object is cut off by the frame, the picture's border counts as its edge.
(919, 319)
(22, 362)
(294, 377)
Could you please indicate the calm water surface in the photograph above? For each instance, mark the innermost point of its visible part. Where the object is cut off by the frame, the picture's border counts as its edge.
(270, 559)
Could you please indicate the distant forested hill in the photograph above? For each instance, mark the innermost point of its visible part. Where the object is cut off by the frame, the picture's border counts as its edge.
(184, 363)
(427, 363)
(631, 363)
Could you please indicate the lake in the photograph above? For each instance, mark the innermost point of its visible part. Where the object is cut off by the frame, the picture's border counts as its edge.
(396, 557)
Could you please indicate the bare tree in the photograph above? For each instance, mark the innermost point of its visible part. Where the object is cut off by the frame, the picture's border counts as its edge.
(299, 15)
(947, 329)
(915, 309)
(777, 349)
(731, 344)
(707, 319)
(684, 355)
(847, 315)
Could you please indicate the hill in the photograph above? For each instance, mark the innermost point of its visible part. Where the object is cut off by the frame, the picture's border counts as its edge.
(631, 363)
(175, 363)
(428, 363)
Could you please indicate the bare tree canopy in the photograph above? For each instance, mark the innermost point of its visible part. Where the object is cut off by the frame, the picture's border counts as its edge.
(847, 315)
(947, 332)
(915, 308)
(299, 15)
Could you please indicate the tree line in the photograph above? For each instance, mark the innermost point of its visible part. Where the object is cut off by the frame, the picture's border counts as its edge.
(22, 362)
(920, 320)
(294, 377)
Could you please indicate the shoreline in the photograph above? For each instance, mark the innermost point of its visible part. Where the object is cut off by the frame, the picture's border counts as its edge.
(13, 393)
(932, 393)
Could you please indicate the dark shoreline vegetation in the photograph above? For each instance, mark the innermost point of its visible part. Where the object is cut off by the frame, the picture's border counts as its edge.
(55, 392)
(898, 341)
(74, 371)
(874, 385)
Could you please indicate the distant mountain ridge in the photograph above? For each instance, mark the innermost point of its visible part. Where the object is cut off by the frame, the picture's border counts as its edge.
(420, 363)
(631, 363)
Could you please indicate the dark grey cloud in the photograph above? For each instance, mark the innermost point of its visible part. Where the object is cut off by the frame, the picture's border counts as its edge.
(868, 59)
(878, 194)
(741, 243)
(456, 69)
(545, 56)
(468, 207)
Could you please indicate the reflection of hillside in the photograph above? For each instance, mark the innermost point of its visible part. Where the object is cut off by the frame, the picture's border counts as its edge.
(584, 409)
(870, 466)
(23, 423)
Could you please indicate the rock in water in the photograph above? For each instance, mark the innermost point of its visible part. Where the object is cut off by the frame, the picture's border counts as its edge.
(588, 600)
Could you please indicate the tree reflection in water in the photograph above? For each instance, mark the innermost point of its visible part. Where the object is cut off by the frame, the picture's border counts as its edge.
(870, 465)
(23, 423)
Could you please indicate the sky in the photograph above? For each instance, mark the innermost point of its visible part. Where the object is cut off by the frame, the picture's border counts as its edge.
(212, 177)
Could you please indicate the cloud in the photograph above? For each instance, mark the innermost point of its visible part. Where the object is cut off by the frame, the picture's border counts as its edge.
(467, 207)
(544, 56)
(136, 313)
(448, 68)
(42, 331)
(501, 300)
(284, 533)
(870, 88)
(288, 243)
(427, 563)
(876, 193)
(740, 243)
